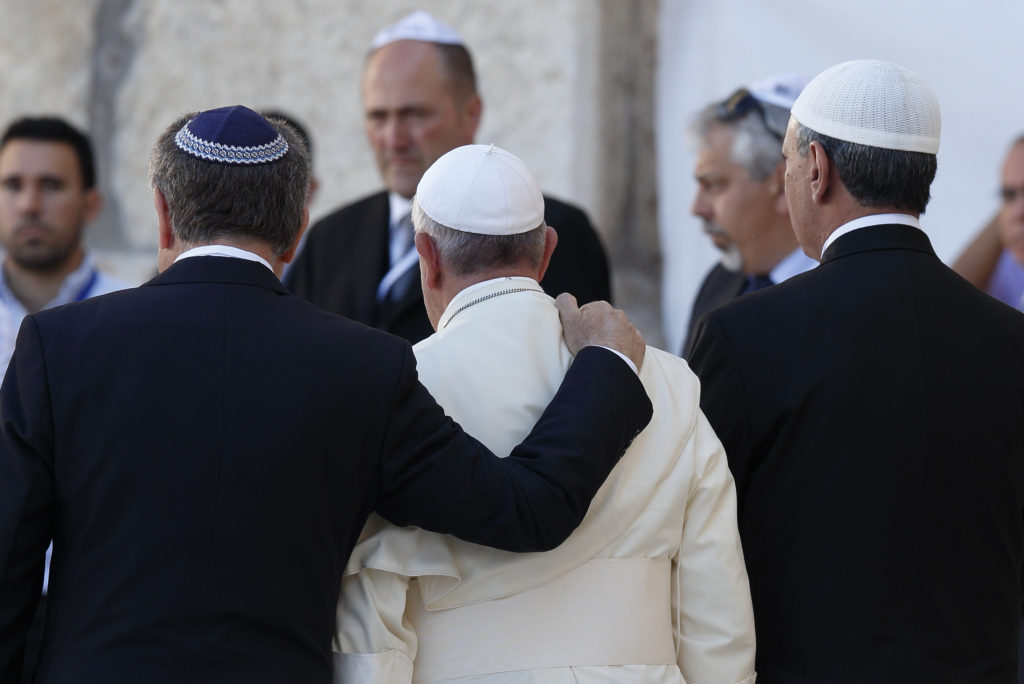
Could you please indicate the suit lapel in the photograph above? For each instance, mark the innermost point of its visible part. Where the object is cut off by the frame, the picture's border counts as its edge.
(372, 241)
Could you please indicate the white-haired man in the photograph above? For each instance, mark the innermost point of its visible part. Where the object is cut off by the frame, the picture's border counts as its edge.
(740, 199)
(873, 414)
(651, 588)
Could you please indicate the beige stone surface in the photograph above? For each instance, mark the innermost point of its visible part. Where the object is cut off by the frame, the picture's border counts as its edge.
(45, 50)
(566, 86)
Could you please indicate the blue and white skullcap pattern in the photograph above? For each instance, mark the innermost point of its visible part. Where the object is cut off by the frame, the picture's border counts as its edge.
(231, 135)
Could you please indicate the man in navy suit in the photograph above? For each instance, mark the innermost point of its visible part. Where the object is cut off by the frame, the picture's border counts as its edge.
(420, 101)
(872, 410)
(205, 449)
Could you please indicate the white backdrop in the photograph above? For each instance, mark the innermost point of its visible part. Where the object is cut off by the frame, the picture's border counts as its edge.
(970, 53)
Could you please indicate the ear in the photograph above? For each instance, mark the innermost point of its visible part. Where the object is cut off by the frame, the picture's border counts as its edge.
(472, 112)
(550, 242)
(819, 172)
(290, 254)
(93, 204)
(430, 262)
(165, 236)
(777, 187)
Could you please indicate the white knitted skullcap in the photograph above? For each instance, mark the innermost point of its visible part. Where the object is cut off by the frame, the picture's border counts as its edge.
(878, 104)
(481, 189)
(419, 25)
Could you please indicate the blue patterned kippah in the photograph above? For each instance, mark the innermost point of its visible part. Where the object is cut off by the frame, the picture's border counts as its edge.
(231, 135)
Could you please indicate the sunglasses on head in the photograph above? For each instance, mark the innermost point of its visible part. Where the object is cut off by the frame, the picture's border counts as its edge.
(741, 103)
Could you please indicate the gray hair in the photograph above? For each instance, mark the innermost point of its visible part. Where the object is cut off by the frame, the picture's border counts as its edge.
(207, 200)
(467, 253)
(875, 176)
(754, 146)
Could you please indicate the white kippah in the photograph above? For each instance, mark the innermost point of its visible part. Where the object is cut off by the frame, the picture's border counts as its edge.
(780, 90)
(481, 189)
(419, 25)
(878, 104)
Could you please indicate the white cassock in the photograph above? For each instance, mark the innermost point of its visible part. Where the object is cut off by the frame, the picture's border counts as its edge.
(650, 588)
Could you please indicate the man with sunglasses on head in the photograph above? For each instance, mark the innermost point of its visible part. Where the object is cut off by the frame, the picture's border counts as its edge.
(740, 197)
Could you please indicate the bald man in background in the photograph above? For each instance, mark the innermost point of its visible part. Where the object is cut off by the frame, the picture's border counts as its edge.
(420, 101)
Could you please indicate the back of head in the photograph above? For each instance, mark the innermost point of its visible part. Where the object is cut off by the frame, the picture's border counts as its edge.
(757, 118)
(57, 130)
(483, 208)
(880, 125)
(230, 172)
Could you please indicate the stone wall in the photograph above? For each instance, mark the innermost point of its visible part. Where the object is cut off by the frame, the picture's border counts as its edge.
(567, 85)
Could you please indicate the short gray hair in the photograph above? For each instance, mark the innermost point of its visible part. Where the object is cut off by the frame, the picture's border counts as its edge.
(754, 146)
(467, 253)
(207, 200)
(875, 176)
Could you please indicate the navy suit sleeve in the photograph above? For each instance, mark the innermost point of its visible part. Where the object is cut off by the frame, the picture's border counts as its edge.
(437, 477)
(26, 495)
(723, 397)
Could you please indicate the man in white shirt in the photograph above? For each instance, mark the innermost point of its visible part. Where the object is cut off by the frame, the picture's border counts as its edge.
(48, 194)
(651, 587)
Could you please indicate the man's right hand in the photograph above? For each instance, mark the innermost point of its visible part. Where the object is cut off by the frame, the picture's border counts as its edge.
(597, 323)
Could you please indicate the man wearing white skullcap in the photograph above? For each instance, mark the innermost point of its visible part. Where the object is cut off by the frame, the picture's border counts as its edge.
(873, 414)
(740, 198)
(650, 589)
(420, 100)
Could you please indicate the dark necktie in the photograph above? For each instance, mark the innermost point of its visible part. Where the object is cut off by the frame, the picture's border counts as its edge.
(756, 282)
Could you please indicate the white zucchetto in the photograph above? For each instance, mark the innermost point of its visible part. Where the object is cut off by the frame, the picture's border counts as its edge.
(873, 103)
(419, 25)
(481, 189)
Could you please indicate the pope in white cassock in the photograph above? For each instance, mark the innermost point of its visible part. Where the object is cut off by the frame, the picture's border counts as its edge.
(651, 588)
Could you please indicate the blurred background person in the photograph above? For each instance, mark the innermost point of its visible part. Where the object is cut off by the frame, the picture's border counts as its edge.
(994, 260)
(48, 194)
(313, 182)
(740, 196)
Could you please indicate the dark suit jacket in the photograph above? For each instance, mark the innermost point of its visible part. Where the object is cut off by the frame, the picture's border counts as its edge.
(346, 256)
(720, 285)
(204, 451)
(873, 414)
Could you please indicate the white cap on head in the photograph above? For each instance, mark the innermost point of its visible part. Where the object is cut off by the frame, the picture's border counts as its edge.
(481, 189)
(419, 25)
(873, 103)
(780, 90)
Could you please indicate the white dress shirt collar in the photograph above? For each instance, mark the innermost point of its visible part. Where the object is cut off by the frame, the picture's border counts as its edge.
(224, 251)
(398, 207)
(867, 221)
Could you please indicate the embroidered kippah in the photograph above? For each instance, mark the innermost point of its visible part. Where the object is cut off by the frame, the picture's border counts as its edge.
(231, 135)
